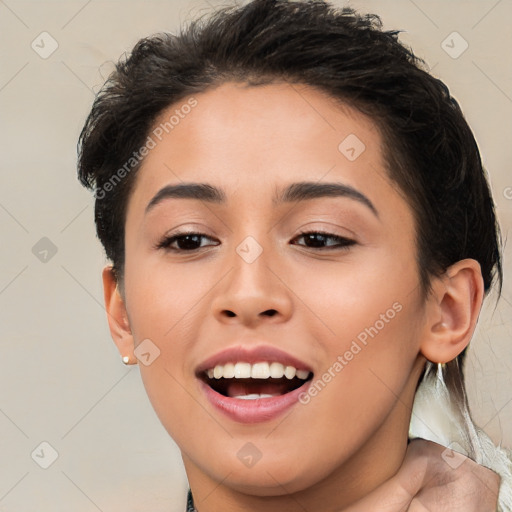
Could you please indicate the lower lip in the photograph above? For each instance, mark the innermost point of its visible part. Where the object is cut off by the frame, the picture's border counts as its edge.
(253, 411)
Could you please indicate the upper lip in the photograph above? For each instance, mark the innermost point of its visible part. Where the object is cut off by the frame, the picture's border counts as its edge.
(261, 353)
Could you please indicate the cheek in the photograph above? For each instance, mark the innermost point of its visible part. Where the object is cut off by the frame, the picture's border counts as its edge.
(170, 305)
(367, 325)
(163, 298)
(370, 293)
(376, 359)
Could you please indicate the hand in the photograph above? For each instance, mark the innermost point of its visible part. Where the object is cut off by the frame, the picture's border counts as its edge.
(427, 483)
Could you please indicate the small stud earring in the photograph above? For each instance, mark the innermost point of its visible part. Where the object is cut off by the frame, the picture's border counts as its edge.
(126, 359)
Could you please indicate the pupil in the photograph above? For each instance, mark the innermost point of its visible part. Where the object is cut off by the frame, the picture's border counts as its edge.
(188, 242)
(316, 238)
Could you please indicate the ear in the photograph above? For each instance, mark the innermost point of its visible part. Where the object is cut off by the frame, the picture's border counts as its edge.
(117, 316)
(452, 311)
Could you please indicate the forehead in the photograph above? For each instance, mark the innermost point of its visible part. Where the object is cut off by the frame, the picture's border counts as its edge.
(253, 143)
(238, 135)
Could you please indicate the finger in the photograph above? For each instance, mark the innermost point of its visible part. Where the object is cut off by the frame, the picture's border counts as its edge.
(417, 506)
(388, 497)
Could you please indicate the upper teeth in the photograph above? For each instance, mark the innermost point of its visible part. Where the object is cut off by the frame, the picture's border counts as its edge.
(255, 371)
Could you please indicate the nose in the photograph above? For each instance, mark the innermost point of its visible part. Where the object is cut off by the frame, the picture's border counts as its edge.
(253, 292)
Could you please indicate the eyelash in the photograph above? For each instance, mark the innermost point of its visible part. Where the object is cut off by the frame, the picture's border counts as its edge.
(343, 243)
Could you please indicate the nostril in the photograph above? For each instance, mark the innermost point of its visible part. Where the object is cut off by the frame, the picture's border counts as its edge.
(268, 312)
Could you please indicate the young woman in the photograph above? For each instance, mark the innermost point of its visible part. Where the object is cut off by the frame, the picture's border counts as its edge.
(301, 232)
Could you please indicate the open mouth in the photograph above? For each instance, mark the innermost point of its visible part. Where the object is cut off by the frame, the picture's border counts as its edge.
(254, 381)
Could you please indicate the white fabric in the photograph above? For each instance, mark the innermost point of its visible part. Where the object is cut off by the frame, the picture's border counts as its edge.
(435, 418)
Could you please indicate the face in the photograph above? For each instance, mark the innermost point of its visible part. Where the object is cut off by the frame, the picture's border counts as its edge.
(318, 281)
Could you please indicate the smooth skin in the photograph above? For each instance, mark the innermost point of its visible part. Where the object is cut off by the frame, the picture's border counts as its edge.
(351, 438)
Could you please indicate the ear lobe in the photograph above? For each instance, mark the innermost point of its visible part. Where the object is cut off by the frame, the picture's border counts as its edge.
(117, 316)
(452, 311)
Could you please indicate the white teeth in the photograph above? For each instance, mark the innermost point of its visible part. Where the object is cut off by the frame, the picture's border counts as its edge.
(229, 371)
(242, 371)
(276, 370)
(262, 370)
(253, 396)
(289, 372)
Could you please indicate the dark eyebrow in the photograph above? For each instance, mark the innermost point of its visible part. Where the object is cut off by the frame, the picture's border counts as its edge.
(200, 191)
(311, 190)
(300, 191)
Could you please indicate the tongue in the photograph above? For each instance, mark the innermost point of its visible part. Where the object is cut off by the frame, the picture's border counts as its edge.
(236, 387)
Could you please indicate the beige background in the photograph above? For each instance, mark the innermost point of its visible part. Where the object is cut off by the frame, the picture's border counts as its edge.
(61, 379)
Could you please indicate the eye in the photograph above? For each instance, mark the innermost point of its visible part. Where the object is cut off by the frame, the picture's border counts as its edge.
(320, 239)
(184, 242)
(192, 241)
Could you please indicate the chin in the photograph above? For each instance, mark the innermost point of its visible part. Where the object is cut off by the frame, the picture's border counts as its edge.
(269, 476)
(269, 481)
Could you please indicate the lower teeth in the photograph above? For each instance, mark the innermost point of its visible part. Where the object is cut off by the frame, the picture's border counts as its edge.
(253, 396)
